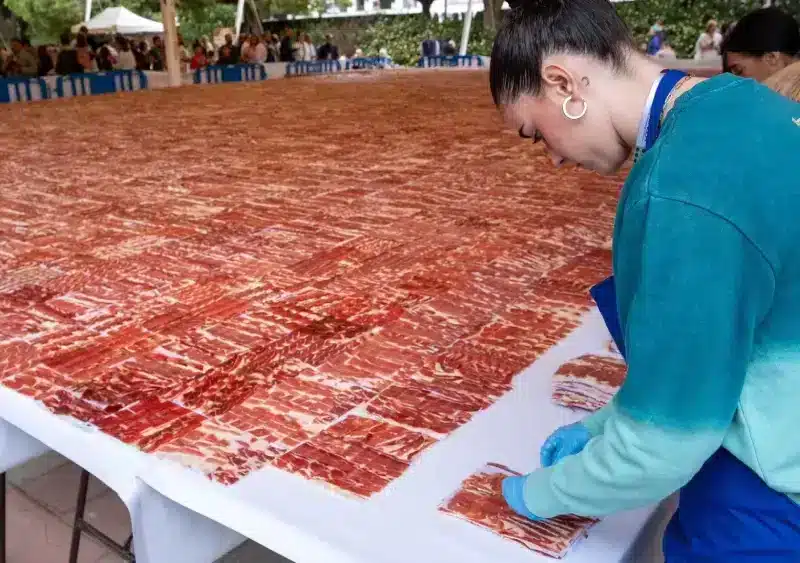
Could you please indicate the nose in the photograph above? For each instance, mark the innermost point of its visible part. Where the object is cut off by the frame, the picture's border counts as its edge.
(556, 159)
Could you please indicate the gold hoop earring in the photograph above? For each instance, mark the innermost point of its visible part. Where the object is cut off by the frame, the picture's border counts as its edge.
(566, 112)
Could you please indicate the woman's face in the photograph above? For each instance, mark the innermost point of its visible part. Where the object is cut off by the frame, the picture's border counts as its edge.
(589, 141)
(757, 67)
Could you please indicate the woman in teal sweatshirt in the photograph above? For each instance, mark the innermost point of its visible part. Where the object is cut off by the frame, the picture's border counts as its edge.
(707, 271)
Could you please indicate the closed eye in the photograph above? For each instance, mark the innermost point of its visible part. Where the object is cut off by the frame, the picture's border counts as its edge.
(537, 136)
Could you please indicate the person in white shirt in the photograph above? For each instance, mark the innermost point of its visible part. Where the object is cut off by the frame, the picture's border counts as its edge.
(257, 52)
(306, 49)
(706, 47)
(126, 60)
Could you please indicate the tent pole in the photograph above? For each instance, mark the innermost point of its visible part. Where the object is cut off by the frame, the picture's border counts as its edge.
(465, 32)
(239, 19)
(88, 11)
(171, 42)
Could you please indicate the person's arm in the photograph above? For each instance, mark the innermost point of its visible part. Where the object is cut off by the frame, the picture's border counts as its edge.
(596, 421)
(691, 289)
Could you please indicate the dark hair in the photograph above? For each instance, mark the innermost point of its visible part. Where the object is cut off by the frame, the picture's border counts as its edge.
(81, 41)
(66, 38)
(768, 30)
(533, 29)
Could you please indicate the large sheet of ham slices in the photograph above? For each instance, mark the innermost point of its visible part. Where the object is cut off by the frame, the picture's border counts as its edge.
(212, 282)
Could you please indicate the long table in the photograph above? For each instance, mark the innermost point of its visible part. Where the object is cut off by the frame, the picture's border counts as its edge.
(180, 516)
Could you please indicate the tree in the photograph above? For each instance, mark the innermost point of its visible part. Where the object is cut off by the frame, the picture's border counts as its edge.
(492, 11)
(46, 19)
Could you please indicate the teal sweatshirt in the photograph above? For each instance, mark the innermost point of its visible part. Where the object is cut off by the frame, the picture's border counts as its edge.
(707, 268)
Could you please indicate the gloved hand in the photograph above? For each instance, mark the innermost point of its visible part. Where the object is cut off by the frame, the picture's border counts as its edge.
(512, 492)
(567, 440)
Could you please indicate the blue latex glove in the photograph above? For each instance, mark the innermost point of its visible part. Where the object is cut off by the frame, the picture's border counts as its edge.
(512, 492)
(567, 440)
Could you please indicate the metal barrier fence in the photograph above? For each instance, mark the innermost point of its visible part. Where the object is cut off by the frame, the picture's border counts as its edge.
(362, 63)
(34, 89)
(14, 90)
(95, 84)
(230, 73)
(450, 61)
(312, 67)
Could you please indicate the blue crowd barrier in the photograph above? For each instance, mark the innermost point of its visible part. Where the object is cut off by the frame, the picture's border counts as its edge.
(23, 90)
(93, 84)
(312, 67)
(361, 63)
(450, 61)
(230, 73)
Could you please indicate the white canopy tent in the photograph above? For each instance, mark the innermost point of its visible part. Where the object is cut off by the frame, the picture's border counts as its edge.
(120, 20)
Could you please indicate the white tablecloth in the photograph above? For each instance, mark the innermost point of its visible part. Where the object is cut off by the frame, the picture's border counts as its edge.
(182, 517)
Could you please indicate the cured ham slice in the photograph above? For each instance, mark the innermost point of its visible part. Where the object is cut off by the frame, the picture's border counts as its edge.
(480, 501)
(588, 382)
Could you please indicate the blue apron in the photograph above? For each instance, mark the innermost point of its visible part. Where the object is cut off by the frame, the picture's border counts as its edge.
(726, 513)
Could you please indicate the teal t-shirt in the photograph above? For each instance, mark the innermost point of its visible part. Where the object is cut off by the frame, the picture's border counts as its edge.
(707, 268)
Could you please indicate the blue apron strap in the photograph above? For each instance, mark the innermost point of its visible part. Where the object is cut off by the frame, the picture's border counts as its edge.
(605, 295)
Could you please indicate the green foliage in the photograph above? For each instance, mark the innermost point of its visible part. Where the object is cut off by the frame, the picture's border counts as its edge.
(47, 19)
(684, 20)
(145, 8)
(201, 17)
(402, 36)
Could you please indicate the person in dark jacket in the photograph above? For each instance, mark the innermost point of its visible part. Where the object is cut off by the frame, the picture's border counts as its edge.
(45, 61)
(229, 53)
(287, 47)
(328, 51)
(67, 60)
(141, 56)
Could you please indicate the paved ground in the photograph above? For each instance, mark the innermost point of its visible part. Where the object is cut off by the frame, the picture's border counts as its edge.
(41, 501)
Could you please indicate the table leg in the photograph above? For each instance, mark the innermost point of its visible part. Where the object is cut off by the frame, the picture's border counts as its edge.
(2, 518)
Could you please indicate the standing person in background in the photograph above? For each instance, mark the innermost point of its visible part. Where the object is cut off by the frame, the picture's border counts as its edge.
(125, 57)
(84, 52)
(706, 48)
(183, 53)
(67, 60)
(199, 59)
(306, 51)
(328, 51)
(761, 43)
(273, 49)
(105, 62)
(225, 56)
(156, 54)
(233, 52)
(257, 53)
(45, 61)
(142, 58)
(244, 49)
(287, 46)
(706, 271)
(22, 62)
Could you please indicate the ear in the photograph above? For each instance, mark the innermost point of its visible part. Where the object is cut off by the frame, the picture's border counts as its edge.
(772, 59)
(559, 80)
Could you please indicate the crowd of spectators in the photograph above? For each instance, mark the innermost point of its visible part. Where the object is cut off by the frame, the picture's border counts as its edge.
(86, 53)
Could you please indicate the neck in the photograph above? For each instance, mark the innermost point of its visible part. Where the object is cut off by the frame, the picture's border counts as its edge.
(630, 99)
(629, 105)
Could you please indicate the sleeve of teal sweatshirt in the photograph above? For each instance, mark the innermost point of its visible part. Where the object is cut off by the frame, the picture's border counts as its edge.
(596, 421)
(691, 289)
